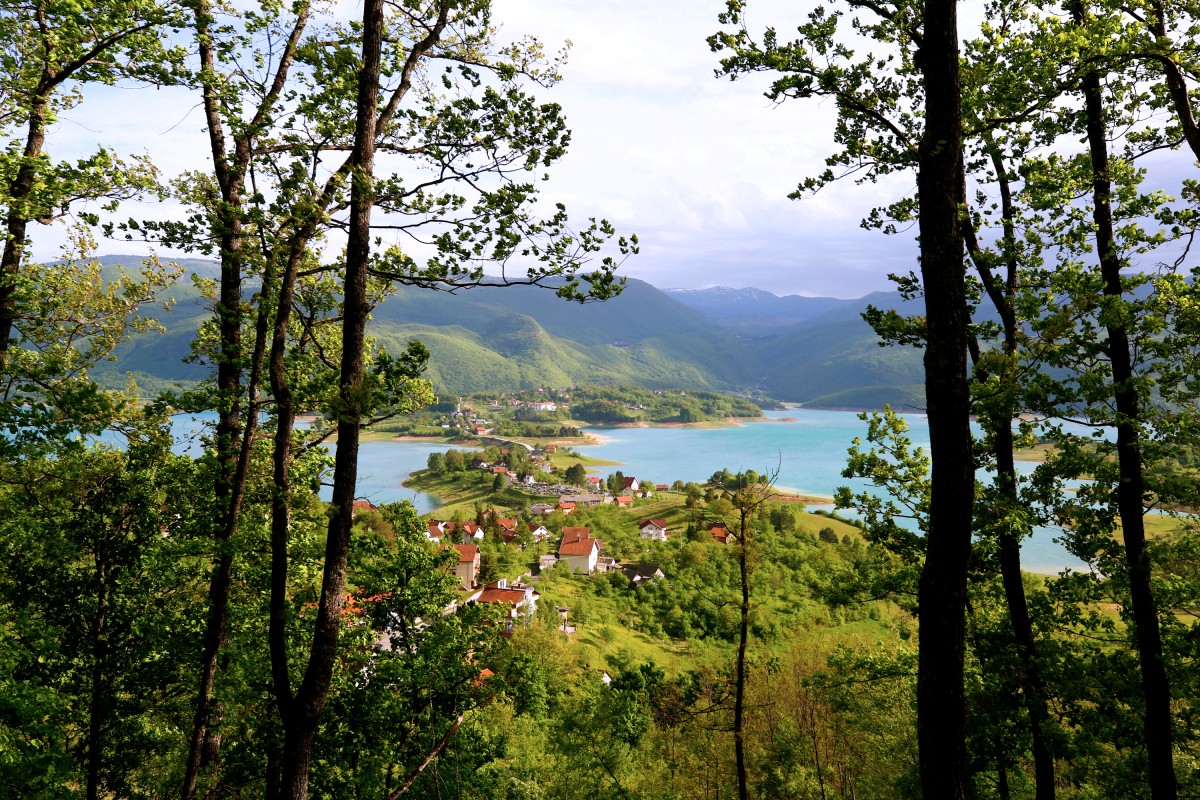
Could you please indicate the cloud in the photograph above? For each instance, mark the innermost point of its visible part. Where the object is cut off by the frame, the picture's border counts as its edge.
(699, 167)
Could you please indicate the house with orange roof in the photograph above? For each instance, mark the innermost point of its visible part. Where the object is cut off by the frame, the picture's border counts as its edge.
(720, 531)
(467, 569)
(580, 553)
(521, 600)
(565, 507)
(624, 500)
(362, 507)
(575, 533)
(469, 532)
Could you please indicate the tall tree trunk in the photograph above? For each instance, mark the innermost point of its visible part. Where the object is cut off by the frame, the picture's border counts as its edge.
(1131, 488)
(999, 422)
(1176, 79)
(227, 487)
(1032, 686)
(20, 189)
(95, 747)
(233, 443)
(941, 726)
(739, 702)
(302, 714)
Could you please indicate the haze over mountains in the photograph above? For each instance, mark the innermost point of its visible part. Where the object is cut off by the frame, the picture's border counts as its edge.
(812, 350)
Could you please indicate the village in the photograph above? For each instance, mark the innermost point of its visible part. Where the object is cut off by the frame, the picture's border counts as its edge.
(541, 532)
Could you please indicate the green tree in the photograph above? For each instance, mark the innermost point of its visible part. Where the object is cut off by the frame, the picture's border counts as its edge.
(576, 474)
(301, 336)
(95, 609)
(50, 51)
(455, 461)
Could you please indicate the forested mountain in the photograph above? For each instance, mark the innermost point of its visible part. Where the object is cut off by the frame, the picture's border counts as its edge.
(489, 338)
(754, 311)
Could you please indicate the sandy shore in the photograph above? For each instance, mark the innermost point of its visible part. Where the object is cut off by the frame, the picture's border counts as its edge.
(727, 422)
(589, 439)
(788, 494)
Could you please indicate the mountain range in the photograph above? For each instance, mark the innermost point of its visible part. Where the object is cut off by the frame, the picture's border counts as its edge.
(815, 351)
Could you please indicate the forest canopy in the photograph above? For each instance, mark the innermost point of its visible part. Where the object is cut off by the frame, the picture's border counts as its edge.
(202, 623)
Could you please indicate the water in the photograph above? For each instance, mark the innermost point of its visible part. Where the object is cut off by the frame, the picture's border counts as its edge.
(807, 446)
(382, 466)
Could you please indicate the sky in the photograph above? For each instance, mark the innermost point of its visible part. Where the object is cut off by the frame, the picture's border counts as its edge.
(699, 167)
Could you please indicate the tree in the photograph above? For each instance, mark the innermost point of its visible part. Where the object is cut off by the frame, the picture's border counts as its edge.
(943, 589)
(94, 607)
(298, 342)
(576, 474)
(50, 49)
(746, 499)
(1131, 488)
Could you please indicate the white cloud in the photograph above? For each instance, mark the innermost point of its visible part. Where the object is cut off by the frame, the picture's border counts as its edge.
(699, 167)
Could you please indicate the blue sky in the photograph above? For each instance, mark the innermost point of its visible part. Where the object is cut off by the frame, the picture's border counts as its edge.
(698, 167)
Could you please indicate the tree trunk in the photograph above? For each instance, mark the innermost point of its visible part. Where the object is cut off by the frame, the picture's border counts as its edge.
(96, 713)
(740, 696)
(999, 421)
(229, 484)
(1131, 487)
(233, 443)
(942, 592)
(1032, 685)
(17, 222)
(1176, 80)
(302, 715)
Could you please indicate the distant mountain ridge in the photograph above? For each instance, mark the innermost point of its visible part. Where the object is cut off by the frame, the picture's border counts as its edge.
(755, 309)
(815, 351)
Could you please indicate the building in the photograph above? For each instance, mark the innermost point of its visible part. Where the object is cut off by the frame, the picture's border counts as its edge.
(653, 529)
(520, 600)
(579, 552)
(467, 569)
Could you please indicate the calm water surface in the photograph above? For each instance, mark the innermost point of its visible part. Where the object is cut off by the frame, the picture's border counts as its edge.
(808, 447)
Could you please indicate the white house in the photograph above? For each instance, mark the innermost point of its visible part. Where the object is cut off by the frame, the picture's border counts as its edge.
(520, 599)
(653, 529)
(580, 554)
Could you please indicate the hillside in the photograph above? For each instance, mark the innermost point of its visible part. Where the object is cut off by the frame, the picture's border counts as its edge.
(754, 311)
(834, 359)
(797, 349)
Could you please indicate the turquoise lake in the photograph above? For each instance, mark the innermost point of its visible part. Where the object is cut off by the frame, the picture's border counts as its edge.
(808, 447)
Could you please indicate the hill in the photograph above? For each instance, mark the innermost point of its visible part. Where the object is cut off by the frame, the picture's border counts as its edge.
(754, 311)
(815, 351)
(834, 359)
